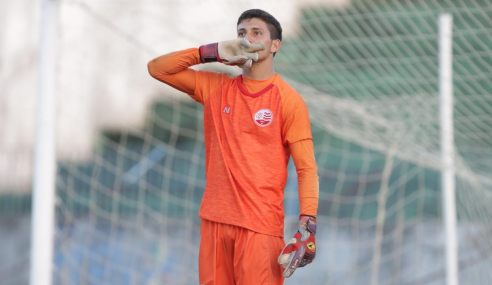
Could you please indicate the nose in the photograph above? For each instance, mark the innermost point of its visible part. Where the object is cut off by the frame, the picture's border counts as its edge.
(250, 38)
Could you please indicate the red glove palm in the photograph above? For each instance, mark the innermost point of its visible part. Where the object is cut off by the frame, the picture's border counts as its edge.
(301, 250)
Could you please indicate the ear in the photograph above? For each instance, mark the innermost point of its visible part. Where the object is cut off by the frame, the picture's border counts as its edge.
(275, 45)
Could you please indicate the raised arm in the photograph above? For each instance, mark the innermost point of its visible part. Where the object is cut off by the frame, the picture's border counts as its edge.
(173, 69)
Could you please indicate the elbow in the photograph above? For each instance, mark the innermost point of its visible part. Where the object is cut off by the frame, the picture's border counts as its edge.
(157, 71)
(307, 167)
(310, 171)
(151, 68)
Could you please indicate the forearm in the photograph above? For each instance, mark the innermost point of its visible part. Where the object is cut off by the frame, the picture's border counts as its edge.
(307, 177)
(173, 69)
(301, 250)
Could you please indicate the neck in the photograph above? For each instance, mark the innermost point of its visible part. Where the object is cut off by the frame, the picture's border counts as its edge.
(261, 70)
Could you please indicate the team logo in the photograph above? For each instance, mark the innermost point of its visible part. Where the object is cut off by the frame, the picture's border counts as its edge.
(263, 117)
(311, 246)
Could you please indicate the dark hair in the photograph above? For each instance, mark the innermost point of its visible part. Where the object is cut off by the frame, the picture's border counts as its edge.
(272, 23)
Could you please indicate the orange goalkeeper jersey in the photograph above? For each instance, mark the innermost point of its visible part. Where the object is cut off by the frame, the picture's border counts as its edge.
(247, 138)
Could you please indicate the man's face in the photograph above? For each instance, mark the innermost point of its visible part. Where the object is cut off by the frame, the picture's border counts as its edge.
(256, 30)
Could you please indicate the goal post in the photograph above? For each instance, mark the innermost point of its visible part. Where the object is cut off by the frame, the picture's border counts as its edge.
(447, 145)
(43, 198)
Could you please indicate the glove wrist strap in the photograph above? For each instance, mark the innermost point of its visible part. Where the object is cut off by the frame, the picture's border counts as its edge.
(307, 223)
(209, 53)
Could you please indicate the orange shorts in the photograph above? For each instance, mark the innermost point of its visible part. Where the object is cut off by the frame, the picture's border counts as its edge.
(231, 255)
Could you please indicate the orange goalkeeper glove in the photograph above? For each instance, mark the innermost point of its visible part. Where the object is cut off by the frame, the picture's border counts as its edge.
(238, 52)
(301, 250)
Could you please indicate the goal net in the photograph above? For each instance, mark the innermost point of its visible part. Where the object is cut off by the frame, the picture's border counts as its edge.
(131, 155)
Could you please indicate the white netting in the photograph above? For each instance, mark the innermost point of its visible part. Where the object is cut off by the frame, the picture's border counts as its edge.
(131, 154)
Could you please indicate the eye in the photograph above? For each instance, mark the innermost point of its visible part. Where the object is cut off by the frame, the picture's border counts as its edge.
(257, 33)
(240, 34)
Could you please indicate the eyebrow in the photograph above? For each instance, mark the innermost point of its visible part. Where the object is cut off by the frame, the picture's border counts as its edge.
(243, 29)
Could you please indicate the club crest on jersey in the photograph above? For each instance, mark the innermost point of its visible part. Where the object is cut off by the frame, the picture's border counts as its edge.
(263, 117)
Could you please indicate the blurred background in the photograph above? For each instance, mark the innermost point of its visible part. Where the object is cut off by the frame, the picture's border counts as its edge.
(130, 150)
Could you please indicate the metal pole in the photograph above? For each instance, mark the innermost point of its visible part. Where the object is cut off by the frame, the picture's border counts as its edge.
(43, 198)
(447, 145)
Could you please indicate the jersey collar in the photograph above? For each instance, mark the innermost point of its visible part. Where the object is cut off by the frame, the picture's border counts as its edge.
(246, 92)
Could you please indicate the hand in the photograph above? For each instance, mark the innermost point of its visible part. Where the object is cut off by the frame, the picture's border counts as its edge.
(301, 250)
(238, 52)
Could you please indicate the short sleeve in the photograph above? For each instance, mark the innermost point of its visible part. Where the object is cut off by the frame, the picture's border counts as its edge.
(295, 119)
(206, 83)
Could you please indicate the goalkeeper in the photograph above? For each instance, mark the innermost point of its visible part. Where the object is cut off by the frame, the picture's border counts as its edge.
(253, 123)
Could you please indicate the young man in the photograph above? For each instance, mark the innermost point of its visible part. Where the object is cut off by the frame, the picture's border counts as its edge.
(252, 123)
